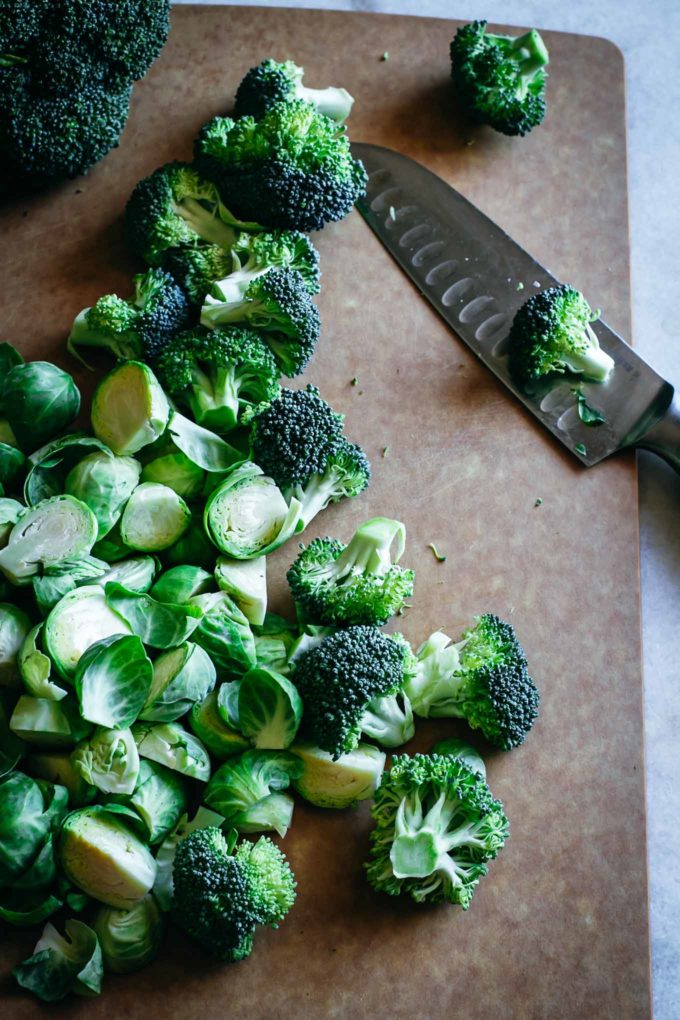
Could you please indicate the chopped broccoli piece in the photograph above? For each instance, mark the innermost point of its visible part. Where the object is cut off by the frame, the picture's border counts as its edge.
(551, 332)
(293, 169)
(357, 583)
(500, 80)
(255, 254)
(352, 685)
(137, 328)
(218, 374)
(278, 303)
(273, 82)
(220, 898)
(436, 826)
(483, 679)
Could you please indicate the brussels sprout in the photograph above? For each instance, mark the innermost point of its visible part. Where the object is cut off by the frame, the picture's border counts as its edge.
(62, 964)
(159, 798)
(45, 723)
(36, 669)
(14, 627)
(129, 939)
(181, 676)
(39, 401)
(100, 854)
(158, 624)
(104, 482)
(56, 529)
(155, 517)
(274, 640)
(247, 516)
(202, 447)
(57, 767)
(225, 634)
(29, 812)
(179, 584)
(163, 888)
(227, 703)
(245, 791)
(269, 709)
(193, 547)
(111, 548)
(9, 357)
(9, 515)
(209, 727)
(12, 749)
(112, 681)
(246, 582)
(11, 463)
(129, 408)
(49, 466)
(58, 579)
(108, 760)
(177, 472)
(171, 745)
(81, 619)
(338, 783)
(135, 574)
(459, 749)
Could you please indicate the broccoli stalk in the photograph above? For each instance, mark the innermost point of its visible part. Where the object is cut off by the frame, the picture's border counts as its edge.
(529, 53)
(271, 82)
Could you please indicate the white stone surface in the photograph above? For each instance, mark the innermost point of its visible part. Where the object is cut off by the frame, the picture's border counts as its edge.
(649, 36)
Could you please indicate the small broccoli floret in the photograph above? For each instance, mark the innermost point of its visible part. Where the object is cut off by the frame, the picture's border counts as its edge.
(293, 169)
(138, 328)
(483, 679)
(500, 80)
(256, 254)
(298, 442)
(436, 826)
(218, 374)
(196, 268)
(551, 332)
(278, 304)
(354, 584)
(352, 685)
(271, 883)
(273, 82)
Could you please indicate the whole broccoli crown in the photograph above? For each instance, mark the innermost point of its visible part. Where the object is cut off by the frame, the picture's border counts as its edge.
(436, 826)
(164, 310)
(290, 439)
(271, 883)
(488, 76)
(212, 900)
(549, 327)
(268, 83)
(198, 267)
(239, 350)
(337, 679)
(285, 249)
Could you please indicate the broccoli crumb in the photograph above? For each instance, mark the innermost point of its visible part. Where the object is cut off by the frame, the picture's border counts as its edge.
(385, 451)
(580, 448)
(440, 557)
(385, 56)
(520, 286)
(539, 502)
(354, 381)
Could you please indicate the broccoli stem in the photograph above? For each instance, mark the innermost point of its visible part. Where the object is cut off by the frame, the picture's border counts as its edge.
(233, 287)
(206, 224)
(332, 102)
(385, 720)
(530, 53)
(315, 497)
(214, 398)
(124, 345)
(592, 361)
(369, 549)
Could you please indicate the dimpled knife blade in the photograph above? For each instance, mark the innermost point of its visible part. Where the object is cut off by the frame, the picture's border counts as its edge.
(470, 271)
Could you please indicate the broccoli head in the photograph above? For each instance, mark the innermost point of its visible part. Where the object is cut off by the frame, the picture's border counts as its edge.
(436, 826)
(351, 685)
(220, 898)
(482, 679)
(255, 254)
(551, 332)
(278, 304)
(273, 82)
(500, 80)
(357, 583)
(218, 374)
(138, 328)
(293, 169)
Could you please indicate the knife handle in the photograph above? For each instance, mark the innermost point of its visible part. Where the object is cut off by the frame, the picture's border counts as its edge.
(663, 438)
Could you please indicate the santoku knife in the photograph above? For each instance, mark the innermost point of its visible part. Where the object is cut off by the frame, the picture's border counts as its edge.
(477, 277)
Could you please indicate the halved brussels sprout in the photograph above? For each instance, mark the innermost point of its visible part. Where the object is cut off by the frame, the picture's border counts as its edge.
(179, 584)
(159, 798)
(181, 676)
(14, 628)
(60, 578)
(104, 482)
(135, 574)
(247, 516)
(246, 582)
(155, 517)
(227, 703)
(158, 624)
(45, 723)
(56, 766)
(60, 528)
(36, 668)
(129, 408)
(63, 963)
(171, 745)
(225, 634)
(129, 939)
(39, 401)
(338, 783)
(112, 681)
(459, 749)
(246, 790)
(50, 465)
(177, 472)
(221, 740)
(82, 618)
(108, 760)
(269, 709)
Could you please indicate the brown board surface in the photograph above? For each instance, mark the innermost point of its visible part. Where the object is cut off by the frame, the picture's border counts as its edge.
(559, 927)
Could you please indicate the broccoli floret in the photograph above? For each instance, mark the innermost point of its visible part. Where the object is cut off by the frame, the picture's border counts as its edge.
(298, 442)
(436, 826)
(138, 328)
(273, 82)
(218, 374)
(351, 685)
(256, 254)
(293, 169)
(483, 679)
(196, 268)
(278, 304)
(551, 332)
(220, 898)
(357, 583)
(500, 80)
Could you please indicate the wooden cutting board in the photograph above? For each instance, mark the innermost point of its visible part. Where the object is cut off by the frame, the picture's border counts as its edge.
(559, 928)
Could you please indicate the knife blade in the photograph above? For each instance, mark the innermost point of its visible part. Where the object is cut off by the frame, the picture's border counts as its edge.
(477, 277)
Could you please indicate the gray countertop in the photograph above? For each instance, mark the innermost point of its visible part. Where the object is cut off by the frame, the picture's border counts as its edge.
(649, 36)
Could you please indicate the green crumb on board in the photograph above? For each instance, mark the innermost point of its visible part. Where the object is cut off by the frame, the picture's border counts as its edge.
(385, 451)
(440, 558)
(580, 448)
(354, 382)
(539, 502)
(520, 285)
(588, 415)
(385, 56)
